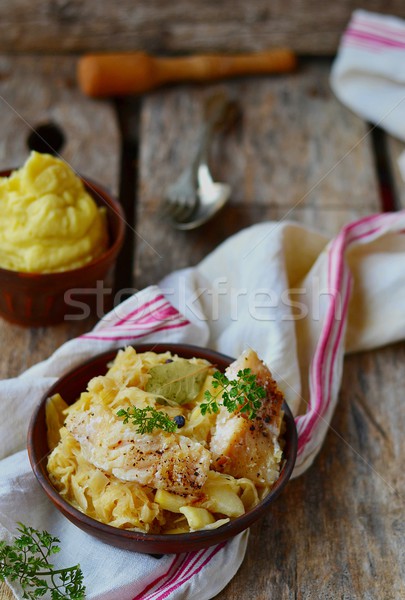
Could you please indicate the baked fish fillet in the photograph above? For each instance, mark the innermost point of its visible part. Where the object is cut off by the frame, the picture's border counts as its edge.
(249, 448)
(160, 460)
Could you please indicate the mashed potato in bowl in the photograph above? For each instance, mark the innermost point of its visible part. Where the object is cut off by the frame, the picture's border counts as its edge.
(49, 222)
(204, 469)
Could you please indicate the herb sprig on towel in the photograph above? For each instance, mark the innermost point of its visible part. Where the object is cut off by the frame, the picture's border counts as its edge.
(27, 561)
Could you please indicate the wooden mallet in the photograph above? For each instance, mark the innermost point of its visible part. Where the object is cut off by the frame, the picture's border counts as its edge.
(120, 74)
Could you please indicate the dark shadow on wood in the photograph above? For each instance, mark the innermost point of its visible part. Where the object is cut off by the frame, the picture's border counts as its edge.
(388, 195)
(128, 111)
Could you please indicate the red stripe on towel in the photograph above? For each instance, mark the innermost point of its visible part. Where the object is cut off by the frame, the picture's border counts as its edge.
(188, 563)
(321, 373)
(373, 38)
(372, 26)
(173, 565)
(129, 316)
(206, 557)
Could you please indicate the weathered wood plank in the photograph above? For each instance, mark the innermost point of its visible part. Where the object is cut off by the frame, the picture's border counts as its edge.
(295, 143)
(295, 147)
(308, 26)
(37, 90)
(34, 91)
(395, 149)
(161, 250)
(338, 531)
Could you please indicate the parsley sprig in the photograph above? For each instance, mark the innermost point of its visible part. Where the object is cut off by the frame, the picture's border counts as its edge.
(147, 419)
(243, 394)
(27, 560)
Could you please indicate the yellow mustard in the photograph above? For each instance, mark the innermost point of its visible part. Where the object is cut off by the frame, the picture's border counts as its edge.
(48, 221)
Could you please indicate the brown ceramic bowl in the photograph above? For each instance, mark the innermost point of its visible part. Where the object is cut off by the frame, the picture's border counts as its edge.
(39, 299)
(70, 386)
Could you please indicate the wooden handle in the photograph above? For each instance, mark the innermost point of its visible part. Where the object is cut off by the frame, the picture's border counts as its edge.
(102, 75)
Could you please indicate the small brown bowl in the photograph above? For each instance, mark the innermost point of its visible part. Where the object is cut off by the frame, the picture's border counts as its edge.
(70, 386)
(40, 299)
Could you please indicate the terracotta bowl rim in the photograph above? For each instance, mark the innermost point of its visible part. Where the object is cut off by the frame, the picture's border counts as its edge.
(110, 252)
(209, 537)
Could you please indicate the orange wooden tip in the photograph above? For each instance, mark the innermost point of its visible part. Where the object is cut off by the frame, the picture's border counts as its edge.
(102, 75)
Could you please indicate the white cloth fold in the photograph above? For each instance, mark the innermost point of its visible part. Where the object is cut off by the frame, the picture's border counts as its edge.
(368, 74)
(300, 301)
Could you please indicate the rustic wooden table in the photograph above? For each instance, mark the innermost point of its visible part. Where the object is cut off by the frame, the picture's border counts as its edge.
(337, 531)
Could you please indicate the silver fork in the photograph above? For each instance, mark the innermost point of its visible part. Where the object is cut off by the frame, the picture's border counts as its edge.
(182, 199)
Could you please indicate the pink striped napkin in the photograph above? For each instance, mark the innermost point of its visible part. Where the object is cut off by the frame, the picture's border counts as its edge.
(298, 299)
(368, 74)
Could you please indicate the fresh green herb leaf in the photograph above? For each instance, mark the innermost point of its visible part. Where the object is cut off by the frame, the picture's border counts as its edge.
(243, 394)
(179, 381)
(147, 419)
(27, 561)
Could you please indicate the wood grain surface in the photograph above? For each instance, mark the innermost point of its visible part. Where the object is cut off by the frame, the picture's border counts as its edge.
(308, 26)
(36, 91)
(337, 532)
(296, 153)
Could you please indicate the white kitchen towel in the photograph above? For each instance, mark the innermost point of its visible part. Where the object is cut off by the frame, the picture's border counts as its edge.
(299, 300)
(368, 74)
